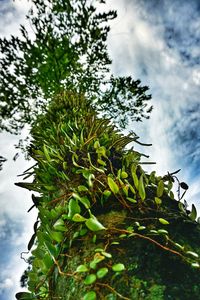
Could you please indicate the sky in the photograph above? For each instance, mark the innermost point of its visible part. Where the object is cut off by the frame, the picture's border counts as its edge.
(157, 41)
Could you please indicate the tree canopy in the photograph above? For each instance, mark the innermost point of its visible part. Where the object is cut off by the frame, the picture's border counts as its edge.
(65, 48)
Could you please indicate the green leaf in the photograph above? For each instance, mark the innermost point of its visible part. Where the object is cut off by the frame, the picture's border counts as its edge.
(90, 279)
(112, 185)
(78, 218)
(131, 200)
(93, 224)
(96, 144)
(48, 262)
(124, 174)
(160, 189)
(24, 296)
(90, 296)
(162, 231)
(141, 188)
(56, 236)
(82, 268)
(193, 213)
(91, 177)
(102, 272)
(106, 254)
(179, 246)
(157, 200)
(101, 162)
(39, 253)
(141, 227)
(84, 200)
(191, 253)
(53, 251)
(59, 225)
(73, 207)
(134, 176)
(163, 221)
(195, 265)
(46, 153)
(107, 193)
(82, 188)
(118, 267)
(97, 258)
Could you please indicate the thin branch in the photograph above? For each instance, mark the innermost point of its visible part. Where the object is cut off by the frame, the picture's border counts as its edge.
(113, 290)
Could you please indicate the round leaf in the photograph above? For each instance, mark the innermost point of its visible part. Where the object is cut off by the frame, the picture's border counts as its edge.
(118, 267)
(90, 279)
(81, 269)
(102, 272)
(90, 296)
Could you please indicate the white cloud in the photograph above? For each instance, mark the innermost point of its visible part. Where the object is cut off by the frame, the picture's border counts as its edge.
(140, 48)
(196, 76)
(6, 284)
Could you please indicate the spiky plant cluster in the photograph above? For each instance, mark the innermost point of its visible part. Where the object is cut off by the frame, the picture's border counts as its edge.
(106, 229)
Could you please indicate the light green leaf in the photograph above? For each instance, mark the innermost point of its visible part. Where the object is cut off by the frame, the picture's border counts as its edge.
(102, 272)
(193, 213)
(157, 200)
(124, 174)
(93, 224)
(131, 200)
(73, 207)
(134, 176)
(160, 189)
(118, 267)
(195, 265)
(82, 268)
(46, 153)
(84, 200)
(96, 144)
(179, 246)
(162, 231)
(107, 193)
(90, 296)
(106, 254)
(56, 236)
(78, 218)
(112, 185)
(141, 227)
(163, 221)
(101, 162)
(191, 253)
(59, 225)
(90, 279)
(141, 188)
(82, 188)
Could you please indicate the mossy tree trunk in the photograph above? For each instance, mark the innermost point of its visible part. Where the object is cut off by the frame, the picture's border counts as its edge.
(107, 229)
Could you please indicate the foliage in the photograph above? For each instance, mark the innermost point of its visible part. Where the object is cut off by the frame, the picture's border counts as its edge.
(106, 229)
(65, 48)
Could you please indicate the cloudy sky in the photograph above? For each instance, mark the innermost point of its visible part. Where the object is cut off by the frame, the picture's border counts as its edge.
(157, 41)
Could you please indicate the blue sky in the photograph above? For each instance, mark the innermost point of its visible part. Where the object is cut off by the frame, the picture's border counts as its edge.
(156, 41)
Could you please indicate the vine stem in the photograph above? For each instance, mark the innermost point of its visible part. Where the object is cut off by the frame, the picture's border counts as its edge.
(113, 290)
(150, 240)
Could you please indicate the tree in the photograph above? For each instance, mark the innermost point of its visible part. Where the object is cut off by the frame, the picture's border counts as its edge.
(106, 229)
(102, 219)
(65, 50)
